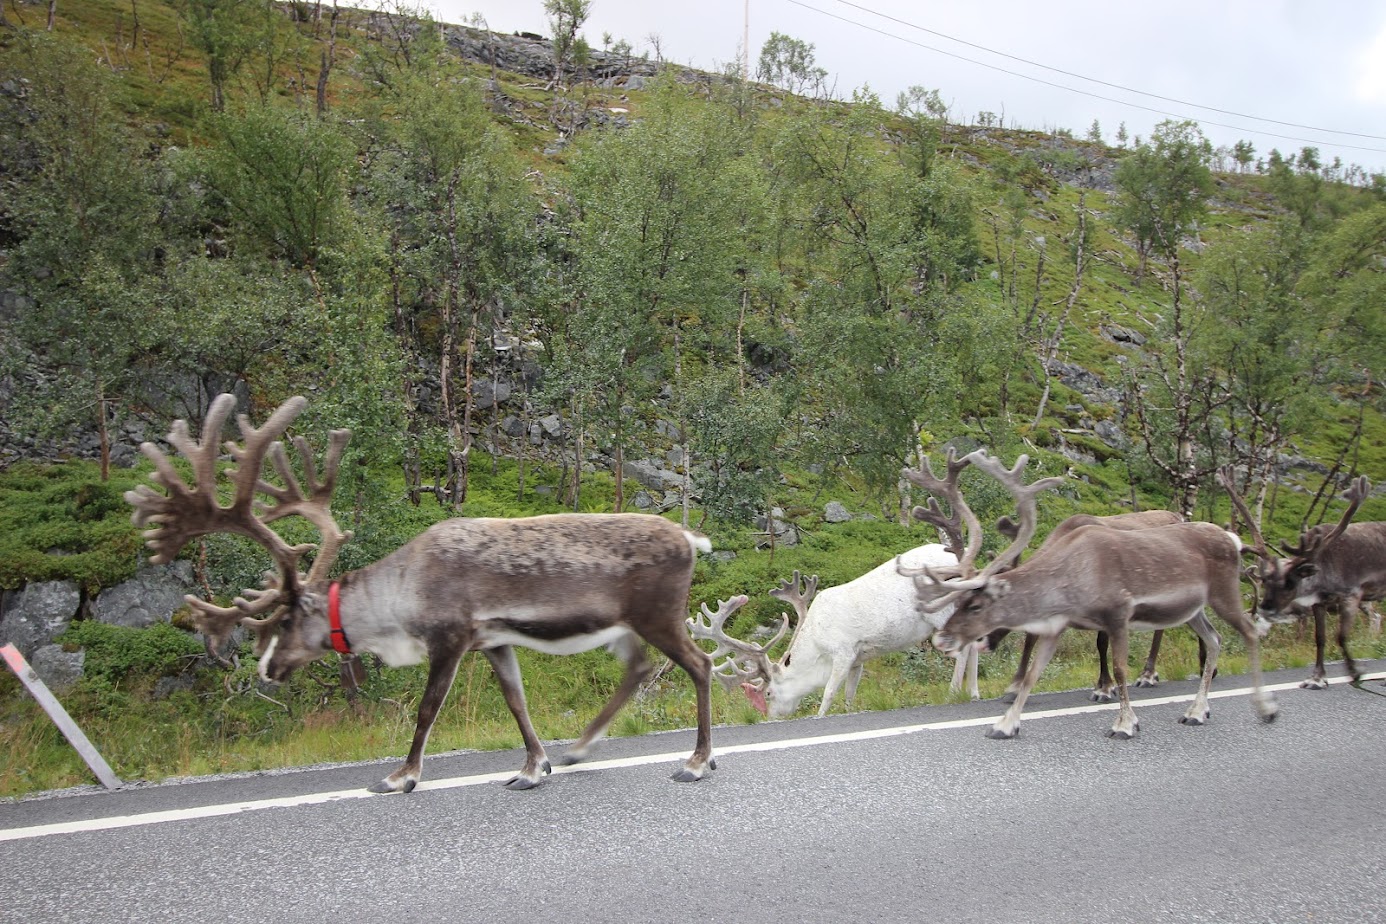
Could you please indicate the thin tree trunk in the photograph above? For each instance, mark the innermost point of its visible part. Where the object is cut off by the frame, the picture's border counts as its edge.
(103, 432)
(329, 57)
(577, 452)
(458, 441)
(740, 339)
(523, 450)
(468, 399)
(620, 451)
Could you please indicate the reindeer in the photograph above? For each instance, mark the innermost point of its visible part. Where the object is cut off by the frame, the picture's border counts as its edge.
(1340, 565)
(558, 584)
(839, 629)
(1104, 690)
(1097, 579)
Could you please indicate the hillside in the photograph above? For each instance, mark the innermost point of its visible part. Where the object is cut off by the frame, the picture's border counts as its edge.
(636, 287)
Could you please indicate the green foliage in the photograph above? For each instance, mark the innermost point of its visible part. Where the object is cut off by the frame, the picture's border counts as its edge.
(281, 176)
(1163, 186)
(62, 522)
(790, 63)
(732, 433)
(115, 652)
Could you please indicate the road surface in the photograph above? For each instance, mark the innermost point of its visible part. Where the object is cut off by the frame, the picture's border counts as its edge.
(911, 815)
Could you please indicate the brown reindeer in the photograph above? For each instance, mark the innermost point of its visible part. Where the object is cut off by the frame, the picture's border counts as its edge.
(1104, 690)
(1337, 565)
(1098, 579)
(558, 584)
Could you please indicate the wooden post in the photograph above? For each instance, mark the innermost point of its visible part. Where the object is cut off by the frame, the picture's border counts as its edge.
(39, 690)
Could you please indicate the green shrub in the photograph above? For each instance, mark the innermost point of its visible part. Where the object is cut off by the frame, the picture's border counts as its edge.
(115, 652)
(61, 522)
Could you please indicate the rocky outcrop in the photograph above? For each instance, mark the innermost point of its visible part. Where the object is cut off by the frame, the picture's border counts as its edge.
(531, 56)
(153, 595)
(36, 614)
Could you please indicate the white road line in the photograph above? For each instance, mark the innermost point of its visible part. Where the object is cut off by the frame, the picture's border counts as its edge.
(235, 808)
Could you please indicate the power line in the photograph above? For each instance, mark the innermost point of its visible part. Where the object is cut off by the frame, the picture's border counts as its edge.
(1059, 86)
(1114, 86)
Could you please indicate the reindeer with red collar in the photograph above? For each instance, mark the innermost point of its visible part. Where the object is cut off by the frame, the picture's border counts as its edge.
(558, 584)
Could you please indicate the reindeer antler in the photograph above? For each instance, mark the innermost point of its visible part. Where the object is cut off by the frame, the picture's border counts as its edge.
(942, 589)
(184, 513)
(1026, 505)
(947, 488)
(316, 505)
(1312, 544)
(732, 671)
(798, 592)
(1227, 478)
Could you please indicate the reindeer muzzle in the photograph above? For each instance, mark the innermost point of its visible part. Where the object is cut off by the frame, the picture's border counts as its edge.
(757, 697)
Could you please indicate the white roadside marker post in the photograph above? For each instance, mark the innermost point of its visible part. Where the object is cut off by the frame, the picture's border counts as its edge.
(39, 690)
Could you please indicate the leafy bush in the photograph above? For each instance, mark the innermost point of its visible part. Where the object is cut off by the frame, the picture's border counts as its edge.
(61, 522)
(115, 652)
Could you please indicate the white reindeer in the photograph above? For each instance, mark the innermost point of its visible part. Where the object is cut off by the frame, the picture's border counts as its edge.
(838, 631)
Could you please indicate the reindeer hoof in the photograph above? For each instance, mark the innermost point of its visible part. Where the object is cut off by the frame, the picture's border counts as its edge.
(1103, 696)
(1194, 719)
(1151, 681)
(1008, 696)
(1000, 734)
(1313, 683)
(385, 786)
(686, 776)
(1121, 734)
(567, 760)
(520, 782)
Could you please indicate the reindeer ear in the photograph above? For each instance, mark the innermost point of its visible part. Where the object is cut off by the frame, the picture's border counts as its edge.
(1008, 527)
(1304, 569)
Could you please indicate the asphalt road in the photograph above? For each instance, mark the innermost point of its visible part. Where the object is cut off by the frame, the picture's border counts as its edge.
(902, 816)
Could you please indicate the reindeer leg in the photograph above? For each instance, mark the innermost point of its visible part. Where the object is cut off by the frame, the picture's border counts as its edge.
(638, 670)
(835, 680)
(1104, 691)
(970, 660)
(965, 669)
(1009, 724)
(1150, 677)
(507, 669)
(1227, 603)
(1210, 644)
(849, 692)
(1347, 612)
(1018, 681)
(1126, 724)
(442, 668)
(1318, 679)
(959, 670)
(684, 652)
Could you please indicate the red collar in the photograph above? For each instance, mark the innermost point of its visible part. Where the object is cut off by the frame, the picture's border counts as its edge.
(334, 619)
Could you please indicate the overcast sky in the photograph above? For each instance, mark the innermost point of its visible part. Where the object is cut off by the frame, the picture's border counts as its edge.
(1285, 73)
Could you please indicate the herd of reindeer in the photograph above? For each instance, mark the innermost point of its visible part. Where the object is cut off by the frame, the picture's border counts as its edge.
(573, 582)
